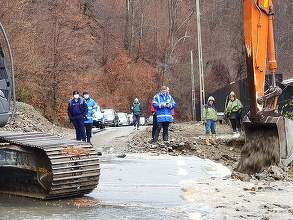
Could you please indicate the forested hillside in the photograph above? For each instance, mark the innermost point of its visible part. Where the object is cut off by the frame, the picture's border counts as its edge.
(122, 49)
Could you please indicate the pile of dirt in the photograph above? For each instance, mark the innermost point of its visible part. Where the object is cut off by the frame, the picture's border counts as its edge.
(260, 150)
(189, 139)
(28, 119)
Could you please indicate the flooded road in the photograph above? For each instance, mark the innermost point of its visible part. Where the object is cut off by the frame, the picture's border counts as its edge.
(146, 186)
(135, 187)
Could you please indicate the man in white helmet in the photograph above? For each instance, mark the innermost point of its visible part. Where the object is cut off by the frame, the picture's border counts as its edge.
(209, 117)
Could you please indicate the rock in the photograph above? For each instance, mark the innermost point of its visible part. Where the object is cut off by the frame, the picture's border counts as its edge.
(153, 146)
(193, 147)
(241, 176)
(181, 144)
(282, 206)
(251, 187)
(27, 129)
(121, 155)
(290, 210)
(276, 172)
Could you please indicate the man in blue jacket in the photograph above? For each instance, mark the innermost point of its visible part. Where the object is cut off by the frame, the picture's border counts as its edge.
(92, 109)
(77, 111)
(163, 103)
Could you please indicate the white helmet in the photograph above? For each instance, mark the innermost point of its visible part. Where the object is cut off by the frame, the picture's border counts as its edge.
(211, 98)
(232, 93)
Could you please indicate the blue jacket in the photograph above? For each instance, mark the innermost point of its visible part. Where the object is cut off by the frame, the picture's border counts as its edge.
(77, 110)
(92, 109)
(164, 113)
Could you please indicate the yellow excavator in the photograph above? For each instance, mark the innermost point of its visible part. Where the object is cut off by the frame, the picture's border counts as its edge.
(268, 140)
(39, 165)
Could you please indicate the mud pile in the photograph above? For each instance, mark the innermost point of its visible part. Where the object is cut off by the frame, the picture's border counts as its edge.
(189, 139)
(28, 119)
(261, 150)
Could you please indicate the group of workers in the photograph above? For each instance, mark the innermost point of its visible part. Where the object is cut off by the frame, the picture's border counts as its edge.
(80, 112)
(163, 109)
(233, 112)
(82, 109)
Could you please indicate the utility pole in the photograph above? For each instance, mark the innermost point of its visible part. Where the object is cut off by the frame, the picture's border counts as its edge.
(200, 59)
(192, 86)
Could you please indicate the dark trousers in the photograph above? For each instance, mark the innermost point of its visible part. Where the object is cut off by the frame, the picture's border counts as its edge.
(235, 121)
(165, 126)
(88, 131)
(136, 120)
(78, 124)
(154, 125)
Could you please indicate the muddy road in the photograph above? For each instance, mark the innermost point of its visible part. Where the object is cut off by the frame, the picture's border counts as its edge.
(151, 186)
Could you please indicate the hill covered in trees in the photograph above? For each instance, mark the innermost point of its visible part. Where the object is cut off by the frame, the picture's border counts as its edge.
(122, 49)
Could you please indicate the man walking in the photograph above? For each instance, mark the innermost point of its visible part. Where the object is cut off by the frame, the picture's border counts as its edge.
(136, 111)
(92, 109)
(163, 104)
(77, 111)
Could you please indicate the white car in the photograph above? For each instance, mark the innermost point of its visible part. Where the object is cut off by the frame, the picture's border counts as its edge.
(150, 120)
(99, 119)
(221, 117)
(130, 119)
(142, 120)
(123, 120)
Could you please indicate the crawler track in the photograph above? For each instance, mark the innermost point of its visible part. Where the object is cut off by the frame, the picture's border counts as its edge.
(45, 166)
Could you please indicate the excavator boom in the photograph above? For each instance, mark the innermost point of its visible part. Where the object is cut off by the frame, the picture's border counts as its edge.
(266, 130)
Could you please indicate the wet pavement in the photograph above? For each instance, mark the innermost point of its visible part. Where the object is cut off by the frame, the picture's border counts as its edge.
(146, 186)
(140, 186)
(136, 187)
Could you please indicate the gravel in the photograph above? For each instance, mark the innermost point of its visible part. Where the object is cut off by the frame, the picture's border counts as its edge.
(28, 119)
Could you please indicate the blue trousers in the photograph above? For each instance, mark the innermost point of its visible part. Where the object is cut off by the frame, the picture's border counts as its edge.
(78, 124)
(210, 127)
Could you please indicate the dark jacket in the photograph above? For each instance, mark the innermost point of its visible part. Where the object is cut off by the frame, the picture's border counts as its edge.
(136, 108)
(77, 109)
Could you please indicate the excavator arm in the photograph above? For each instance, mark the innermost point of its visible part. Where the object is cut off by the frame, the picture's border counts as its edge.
(267, 132)
(260, 53)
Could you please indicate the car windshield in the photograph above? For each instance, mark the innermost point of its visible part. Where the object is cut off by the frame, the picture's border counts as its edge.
(108, 112)
(122, 115)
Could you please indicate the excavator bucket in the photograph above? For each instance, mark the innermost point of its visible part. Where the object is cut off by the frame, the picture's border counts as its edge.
(267, 143)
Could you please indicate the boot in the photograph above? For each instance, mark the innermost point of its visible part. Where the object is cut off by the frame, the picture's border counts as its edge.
(207, 141)
(213, 140)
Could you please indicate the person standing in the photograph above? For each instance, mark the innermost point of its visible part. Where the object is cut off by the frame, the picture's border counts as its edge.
(154, 128)
(136, 111)
(92, 109)
(77, 111)
(173, 110)
(163, 104)
(209, 117)
(233, 111)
